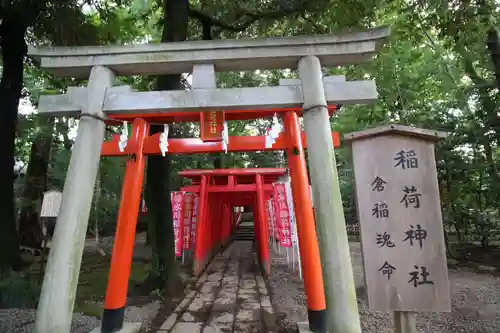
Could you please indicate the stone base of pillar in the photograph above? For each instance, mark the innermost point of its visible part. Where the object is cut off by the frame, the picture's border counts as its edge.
(127, 328)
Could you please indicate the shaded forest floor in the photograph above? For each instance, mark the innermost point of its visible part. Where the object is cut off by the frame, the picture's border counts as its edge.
(92, 284)
(472, 255)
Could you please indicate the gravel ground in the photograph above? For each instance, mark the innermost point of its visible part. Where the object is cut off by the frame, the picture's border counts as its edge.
(475, 301)
(23, 320)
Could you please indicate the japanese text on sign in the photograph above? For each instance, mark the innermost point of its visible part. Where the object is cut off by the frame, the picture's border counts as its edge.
(177, 218)
(401, 225)
(282, 215)
(194, 218)
(188, 205)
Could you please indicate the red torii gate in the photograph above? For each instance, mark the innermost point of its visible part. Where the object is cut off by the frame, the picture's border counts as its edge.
(141, 144)
(217, 189)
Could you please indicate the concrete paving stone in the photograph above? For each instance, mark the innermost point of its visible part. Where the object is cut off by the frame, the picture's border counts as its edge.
(269, 319)
(230, 289)
(248, 286)
(214, 278)
(250, 305)
(207, 289)
(198, 305)
(227, 294)
(260, 280)
(224, 305)
(245, 315)
(233, 287)
(209, 297)
(187, 327)
(188, 317)
(268, 309)
(224, 317)
(230, 279)
(218, 328)
(243, 290)
(183, 305)
(250, 297)
(265, 301)
(127, 328)
(190, 295)
(248, 328)
(169, 323)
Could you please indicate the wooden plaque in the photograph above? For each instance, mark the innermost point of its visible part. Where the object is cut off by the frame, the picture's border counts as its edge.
(50, 203)
(212, 124)
(400, 219)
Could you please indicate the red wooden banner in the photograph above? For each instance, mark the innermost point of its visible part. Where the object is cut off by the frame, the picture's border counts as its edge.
(282, 215)
(188, 210)
(194, 218)
(212, 124)
(177, 217)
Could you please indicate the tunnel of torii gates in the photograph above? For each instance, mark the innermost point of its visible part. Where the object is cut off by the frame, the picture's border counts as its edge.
(256, 188)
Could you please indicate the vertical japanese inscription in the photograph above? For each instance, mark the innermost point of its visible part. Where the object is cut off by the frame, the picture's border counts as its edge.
(406, 159)
(411, 199)
(398, 204)
(213, 122)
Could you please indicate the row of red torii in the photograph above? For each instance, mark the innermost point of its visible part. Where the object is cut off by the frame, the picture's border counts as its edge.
(216, 190)
(228, 191)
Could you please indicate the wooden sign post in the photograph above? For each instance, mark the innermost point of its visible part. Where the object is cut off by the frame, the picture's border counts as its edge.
(399, 213)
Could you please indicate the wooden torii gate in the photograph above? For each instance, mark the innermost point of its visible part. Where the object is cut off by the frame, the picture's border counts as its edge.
(100, 102)
(232, 187)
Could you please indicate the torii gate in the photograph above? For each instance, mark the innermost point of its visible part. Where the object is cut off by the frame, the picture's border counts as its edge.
(100, 101)
(228, 188)
(232, 187)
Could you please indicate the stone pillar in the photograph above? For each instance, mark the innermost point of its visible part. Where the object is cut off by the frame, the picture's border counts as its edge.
(57, 298)
(342, 307)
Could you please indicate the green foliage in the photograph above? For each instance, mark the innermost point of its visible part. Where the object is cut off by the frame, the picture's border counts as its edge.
(436, 72)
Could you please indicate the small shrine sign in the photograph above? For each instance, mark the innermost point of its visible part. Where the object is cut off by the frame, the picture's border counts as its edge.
(50, 203)
(400, 219)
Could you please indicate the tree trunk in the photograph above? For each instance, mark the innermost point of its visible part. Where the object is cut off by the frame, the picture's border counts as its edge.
(30, 232)
(13, 51)
(165, 270)
(493, 44)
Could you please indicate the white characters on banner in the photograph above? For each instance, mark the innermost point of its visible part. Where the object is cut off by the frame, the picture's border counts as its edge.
(177, 217)
(284, 217)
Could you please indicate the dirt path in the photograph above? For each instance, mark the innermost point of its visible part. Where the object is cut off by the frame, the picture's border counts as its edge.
(475, 301)
(231, 296)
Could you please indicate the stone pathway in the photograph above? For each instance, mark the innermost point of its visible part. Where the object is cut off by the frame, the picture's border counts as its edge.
(231, 296)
